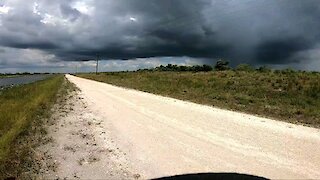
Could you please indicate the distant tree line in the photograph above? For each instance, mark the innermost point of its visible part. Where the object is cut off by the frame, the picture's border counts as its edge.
(221, 65)
(170, 67)
(196, 68)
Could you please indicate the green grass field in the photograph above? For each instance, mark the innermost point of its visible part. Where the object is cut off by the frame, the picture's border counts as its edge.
(284, 95)
(21, 105)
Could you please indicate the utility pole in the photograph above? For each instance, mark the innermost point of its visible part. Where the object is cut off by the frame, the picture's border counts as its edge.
(97, 64)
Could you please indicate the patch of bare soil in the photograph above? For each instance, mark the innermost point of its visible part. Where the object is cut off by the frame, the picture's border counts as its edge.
(81, 148)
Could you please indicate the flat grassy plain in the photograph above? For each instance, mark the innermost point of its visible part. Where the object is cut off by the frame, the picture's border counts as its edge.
(20, 106)
(283, 95)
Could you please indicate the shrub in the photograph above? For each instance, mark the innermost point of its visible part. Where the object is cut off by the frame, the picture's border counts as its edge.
(221, 65)
(206, 68)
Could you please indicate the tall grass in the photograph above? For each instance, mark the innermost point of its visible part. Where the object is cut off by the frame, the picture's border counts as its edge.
(19, 107)
(284, 95)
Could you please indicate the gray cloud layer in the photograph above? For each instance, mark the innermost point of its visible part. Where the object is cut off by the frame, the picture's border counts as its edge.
(259, 32)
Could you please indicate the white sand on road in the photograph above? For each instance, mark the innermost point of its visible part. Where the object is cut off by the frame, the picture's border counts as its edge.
(163, 136)
(80, 147)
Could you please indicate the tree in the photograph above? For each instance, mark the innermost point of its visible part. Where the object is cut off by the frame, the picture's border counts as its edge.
(221, 65)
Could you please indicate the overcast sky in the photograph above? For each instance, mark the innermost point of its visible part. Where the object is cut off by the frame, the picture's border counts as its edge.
(50, 35)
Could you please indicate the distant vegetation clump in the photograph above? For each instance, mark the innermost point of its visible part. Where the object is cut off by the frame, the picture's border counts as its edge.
(221, 65)
(286, 94)
(170, 67)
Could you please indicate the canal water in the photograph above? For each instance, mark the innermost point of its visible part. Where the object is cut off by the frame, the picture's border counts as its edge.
(13, 81)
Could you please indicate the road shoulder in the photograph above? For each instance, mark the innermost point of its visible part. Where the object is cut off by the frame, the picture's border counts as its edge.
(81, 147)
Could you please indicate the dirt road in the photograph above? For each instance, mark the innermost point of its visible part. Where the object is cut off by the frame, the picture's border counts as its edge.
(163, 136)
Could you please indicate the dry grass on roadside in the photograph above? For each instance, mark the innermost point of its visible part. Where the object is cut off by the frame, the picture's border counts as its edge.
(285, 95)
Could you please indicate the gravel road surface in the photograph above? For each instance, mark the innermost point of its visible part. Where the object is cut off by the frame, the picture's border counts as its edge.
(161, 136)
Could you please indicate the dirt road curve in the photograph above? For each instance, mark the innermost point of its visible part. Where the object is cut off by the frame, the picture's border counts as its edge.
(163, 136)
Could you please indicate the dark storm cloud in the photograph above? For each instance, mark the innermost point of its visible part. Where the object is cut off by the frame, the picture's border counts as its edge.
(33, 45)
(275, 51)
(262, 32)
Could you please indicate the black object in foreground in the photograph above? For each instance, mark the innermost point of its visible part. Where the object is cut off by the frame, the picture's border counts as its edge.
(207, 176)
